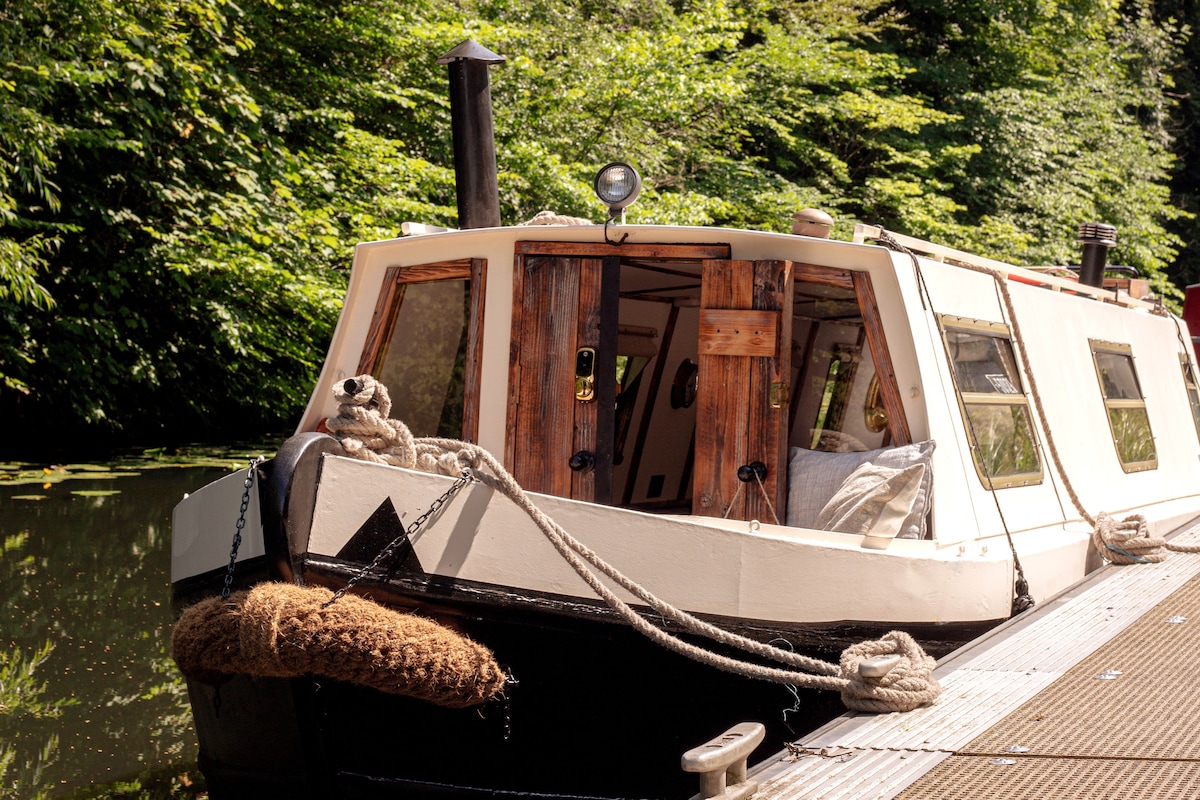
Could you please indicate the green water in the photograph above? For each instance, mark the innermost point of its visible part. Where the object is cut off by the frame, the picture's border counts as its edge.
(91, 704)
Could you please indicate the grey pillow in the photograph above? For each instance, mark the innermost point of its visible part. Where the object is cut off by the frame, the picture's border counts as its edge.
(815, 476)
(874, 500)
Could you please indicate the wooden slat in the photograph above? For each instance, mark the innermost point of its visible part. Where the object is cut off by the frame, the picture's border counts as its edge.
(720, 421)
(767, 433)
(730, 332)
(471, 380)
(889, 391)
(545, 314)
(583, 484)
(825, 276)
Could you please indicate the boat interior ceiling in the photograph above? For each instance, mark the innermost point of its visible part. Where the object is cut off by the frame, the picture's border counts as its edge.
(679, 281)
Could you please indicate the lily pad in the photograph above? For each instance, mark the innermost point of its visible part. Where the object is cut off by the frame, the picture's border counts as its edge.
(28, 497)
(95, 492)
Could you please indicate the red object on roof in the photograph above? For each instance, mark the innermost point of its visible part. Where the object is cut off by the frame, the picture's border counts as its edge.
(1191, 314)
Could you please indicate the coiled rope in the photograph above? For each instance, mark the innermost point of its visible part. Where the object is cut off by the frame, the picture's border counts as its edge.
(1129, 541)
(367, 433)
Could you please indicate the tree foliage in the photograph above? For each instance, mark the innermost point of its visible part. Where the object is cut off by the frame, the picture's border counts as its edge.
(182, 183)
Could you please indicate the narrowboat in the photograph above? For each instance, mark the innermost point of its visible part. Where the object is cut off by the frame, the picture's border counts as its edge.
(803, 441)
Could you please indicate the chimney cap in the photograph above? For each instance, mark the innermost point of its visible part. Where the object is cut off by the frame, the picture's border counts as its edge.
(1098, 233)
(471, 51)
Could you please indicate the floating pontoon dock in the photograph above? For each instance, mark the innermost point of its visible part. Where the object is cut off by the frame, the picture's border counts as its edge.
(1094, 694)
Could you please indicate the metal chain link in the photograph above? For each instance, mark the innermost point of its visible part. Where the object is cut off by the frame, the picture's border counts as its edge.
(463, 479)
(241, 523)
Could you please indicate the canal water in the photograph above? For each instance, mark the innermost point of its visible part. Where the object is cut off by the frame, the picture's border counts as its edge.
(91, 704)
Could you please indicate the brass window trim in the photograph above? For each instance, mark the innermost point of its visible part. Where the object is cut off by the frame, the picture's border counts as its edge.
(1121, 349)
(999, 330)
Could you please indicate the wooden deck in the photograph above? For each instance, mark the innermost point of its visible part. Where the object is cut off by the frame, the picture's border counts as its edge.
(1094, 694)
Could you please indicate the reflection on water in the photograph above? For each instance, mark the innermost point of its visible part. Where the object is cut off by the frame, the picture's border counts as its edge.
(91, 704)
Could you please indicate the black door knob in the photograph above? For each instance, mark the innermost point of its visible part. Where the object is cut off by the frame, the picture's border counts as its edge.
(582, 461)
(748, 472)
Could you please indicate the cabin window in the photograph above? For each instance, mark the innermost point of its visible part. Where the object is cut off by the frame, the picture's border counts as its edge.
(993, 402)
(423, 346)
(1126, 407)
(1193, 391)
(837, 402)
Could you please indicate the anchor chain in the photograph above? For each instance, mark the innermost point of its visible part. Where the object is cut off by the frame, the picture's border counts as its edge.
(463, 479)
(251, 472)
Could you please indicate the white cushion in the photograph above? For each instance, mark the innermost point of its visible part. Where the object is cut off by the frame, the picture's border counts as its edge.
(874, 500)
(815, 476)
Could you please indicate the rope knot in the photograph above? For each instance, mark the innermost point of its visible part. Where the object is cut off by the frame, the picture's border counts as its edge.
(905, 686)
(366, 392)
(1127, 541)
(366, 433)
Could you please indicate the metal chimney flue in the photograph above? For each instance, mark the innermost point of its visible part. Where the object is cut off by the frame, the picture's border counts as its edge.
(1096, 238)
(474, 137)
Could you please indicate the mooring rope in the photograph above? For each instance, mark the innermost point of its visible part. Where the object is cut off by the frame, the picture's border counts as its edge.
(368, 434)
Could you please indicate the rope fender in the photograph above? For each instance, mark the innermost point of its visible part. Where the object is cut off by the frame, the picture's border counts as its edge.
(367, 435)
(286, 631)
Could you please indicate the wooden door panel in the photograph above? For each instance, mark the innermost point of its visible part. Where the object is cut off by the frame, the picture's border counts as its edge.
(742, 355)
(542, 370)
(768, 409)
(587, 334)
(556, 310)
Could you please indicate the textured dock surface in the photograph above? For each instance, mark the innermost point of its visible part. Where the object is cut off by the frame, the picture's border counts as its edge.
(1094, 695)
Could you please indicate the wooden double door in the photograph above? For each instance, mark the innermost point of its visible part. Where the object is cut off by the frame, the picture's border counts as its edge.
(566, 311)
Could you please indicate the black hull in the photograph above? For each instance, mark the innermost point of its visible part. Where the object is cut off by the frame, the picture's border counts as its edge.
(596, 710)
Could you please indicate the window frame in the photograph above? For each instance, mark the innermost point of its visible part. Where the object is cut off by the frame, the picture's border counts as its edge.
(1111, 404)
(949, 322)
(1192, 387)
(383, 324)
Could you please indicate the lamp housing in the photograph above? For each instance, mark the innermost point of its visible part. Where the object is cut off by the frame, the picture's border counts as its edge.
(617, 185)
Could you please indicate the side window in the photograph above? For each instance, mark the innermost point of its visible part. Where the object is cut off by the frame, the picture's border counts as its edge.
(1126, 406)
(1193, 391)
(993, 402)
(423, 345)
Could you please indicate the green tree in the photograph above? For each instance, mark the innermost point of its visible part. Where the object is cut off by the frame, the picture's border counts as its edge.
(182, 183)
(1067, 108)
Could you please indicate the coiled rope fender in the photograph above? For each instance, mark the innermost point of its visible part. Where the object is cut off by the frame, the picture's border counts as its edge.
(284, 631)
(363, 397)
(1129, 541)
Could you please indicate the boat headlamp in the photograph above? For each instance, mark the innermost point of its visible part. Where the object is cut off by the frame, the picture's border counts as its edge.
(617, 186)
